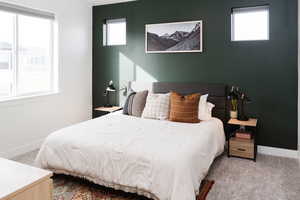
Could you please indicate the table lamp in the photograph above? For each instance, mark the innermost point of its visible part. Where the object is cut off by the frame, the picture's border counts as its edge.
(110, 89)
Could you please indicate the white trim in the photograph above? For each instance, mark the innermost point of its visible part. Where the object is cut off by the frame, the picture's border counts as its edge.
(30, 96)
(277, 152)
(11, 153)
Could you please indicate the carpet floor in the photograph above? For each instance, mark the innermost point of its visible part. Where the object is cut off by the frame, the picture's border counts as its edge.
(70, 188)
(270, 178)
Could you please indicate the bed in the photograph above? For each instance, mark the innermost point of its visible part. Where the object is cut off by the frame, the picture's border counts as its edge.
(161, 160)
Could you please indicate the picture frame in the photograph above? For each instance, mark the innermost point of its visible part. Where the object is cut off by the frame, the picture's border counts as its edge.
(175, 37)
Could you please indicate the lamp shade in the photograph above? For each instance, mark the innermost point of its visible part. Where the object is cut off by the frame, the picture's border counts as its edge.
(111, 87)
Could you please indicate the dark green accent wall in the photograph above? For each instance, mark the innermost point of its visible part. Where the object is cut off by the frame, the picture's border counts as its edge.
(267, 70)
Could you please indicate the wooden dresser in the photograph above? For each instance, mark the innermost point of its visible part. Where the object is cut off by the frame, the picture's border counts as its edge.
(22, 182)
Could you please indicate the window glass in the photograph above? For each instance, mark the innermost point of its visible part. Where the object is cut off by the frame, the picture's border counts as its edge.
(115, 32)
(250, 23)
(35, 55)
(26, 55)
(6, 51)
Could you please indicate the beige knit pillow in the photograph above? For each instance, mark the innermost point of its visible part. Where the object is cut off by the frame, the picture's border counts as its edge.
(157, 106)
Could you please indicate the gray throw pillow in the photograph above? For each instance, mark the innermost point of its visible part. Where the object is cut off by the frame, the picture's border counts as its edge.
(128, 104)
(135, 104)
(139, 102)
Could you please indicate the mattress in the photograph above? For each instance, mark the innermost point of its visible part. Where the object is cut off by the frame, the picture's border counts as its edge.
(162, 160)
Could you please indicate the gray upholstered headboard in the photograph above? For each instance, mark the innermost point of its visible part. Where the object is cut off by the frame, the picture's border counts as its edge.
(217, 94)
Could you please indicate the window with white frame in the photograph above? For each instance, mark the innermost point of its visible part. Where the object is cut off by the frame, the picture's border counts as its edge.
(114, 32)
(249, 24)
(26, 52)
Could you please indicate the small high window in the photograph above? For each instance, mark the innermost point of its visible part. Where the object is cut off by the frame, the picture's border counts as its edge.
(250, 24)
(114, 32)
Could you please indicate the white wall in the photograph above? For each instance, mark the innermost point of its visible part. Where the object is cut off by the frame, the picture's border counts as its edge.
(25, 123)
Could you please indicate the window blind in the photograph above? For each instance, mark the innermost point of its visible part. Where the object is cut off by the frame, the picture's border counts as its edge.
(250, 9)
(113, 21)
(25, 11)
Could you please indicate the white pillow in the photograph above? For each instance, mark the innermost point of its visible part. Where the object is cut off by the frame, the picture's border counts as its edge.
(157, 106)
(205, 108)
(209, 107)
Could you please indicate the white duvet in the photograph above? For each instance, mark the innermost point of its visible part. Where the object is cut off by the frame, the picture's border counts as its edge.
(165, 159)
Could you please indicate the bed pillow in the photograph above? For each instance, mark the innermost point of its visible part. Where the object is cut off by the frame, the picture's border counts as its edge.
(128, 104)
(207, 115)
(205, 108)
(184, 108)
(157, 106)
(135, 103)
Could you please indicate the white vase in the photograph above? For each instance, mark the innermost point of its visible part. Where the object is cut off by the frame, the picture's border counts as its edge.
(233, 114)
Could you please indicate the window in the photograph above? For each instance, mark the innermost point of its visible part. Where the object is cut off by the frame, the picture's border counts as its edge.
(114, 32)
(250, 23)
(26, 52)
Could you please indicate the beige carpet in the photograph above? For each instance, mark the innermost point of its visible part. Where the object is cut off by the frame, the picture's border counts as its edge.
(270, 178)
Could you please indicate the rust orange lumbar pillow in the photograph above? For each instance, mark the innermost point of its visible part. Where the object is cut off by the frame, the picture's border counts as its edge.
(184, 108)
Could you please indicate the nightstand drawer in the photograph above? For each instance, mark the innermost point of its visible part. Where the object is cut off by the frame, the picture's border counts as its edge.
(241, 142)
(241, 148)
(241, 152)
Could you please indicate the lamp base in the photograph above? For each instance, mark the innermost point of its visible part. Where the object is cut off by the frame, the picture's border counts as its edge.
(243, 118)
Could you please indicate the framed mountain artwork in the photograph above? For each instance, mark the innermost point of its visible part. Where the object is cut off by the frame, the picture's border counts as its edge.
(178, 37)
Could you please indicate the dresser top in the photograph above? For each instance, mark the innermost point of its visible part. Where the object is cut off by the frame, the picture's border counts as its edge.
(15, 177)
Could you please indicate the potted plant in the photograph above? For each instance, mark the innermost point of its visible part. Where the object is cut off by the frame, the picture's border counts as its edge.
(233, 97)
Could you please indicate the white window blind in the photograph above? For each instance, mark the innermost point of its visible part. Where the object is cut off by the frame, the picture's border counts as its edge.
(114, 32)
(25, 11)
(251, 23)
(26, 52)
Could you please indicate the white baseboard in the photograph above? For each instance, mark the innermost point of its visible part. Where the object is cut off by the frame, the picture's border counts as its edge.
(278, 152)
(22, 149)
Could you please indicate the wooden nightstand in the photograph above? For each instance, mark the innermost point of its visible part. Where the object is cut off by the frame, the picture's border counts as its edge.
(243, 148)
(98, 112)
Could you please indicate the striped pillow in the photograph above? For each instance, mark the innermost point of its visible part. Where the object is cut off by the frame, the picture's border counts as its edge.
(135, 103)
(184, 108)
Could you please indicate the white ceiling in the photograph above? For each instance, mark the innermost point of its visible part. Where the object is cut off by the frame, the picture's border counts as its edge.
(104, 2)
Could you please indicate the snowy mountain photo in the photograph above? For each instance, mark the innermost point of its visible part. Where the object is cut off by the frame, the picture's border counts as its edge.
(174, 37)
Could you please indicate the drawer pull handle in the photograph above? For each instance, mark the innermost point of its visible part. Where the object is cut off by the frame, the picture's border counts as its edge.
(242, 149)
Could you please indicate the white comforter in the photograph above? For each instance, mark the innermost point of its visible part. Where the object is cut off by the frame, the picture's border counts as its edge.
(166, 159)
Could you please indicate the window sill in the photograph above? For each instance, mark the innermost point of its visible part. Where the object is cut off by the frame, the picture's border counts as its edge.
(21, 99)
(266, 40)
